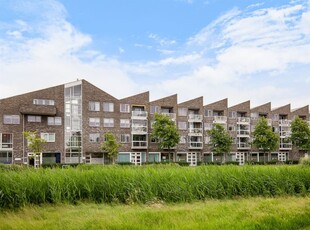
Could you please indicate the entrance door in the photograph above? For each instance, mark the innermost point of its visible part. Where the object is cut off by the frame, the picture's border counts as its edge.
(282, 157)
(192, 159)
(136, 158)
(240, 158)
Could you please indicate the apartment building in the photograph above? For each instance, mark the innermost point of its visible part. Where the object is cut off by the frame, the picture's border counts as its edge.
(74, 117)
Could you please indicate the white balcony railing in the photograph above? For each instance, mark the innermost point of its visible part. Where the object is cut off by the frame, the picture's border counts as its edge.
(195, 131)
(219, 119)
(139, 144)
(139, 114)
(243, 132)
(285, 146)
(172, 116)
(139, 129)
(243, 145)
(284, 122)
(195, 145)
(243, 120)
(195, 117)
(285, 134)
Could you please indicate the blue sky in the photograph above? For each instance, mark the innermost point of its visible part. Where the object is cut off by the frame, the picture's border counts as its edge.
(241, 49)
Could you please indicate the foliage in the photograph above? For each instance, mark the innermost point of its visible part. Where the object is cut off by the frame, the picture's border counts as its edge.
(165, 131)
(300, 134)
(168, 183)
(220, 139)
(242, 213)
(110, 146)
(35, 143)
(305, 161)
(264, 138)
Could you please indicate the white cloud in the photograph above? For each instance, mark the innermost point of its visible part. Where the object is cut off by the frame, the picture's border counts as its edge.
(162, 41)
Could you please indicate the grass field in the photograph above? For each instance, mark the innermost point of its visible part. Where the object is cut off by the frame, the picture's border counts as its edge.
(252, 213)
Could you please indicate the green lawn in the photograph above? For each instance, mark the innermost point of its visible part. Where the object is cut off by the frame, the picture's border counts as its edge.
(251, 213)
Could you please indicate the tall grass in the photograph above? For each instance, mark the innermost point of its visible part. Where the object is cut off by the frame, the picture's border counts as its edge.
(125, 184)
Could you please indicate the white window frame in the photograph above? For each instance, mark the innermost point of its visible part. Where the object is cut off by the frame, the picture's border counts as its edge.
(108, 107)
(108, 122)
(43, 102)
(124, 123)
(124, 108)
(232, 114)
(182, 112)
(49, 137)
(94, 106)
(32, 118)
(125, 138)
(11, 119)
(94, 122)
(54, 121)
(94, 137)
(154, 109)
(182, 125)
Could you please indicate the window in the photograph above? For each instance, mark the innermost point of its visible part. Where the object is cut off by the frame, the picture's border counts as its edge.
(275, 117)
(125, 138)
(232, 114)
(6, 140)
(43, 102)
(254, 116)
(182, 139)
(11, 119)
(108, 122)
(124, 108)
(125, 123)
(49, 137)
(94, 137)
(94, 121)
(208, 113)
(94, 106)
(34, 118)
(154, 109)
(54, 120)
(182, 111)
(108, 107)
(182, 125)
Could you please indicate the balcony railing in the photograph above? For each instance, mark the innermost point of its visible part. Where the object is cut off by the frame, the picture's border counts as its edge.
(284, 122)
(243, 145)
(195, 131)
(195, 117)
(243, 132)
(139, 144)
(172, 116)
(139, 114)
(139, 129)
(243, 120)
(285, 134)
(195, 145)
(219, 119)
(285, 146)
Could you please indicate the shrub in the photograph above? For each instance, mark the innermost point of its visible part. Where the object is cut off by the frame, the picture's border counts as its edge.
(292, 162)
(305, 161)
(231, 163)
(183, 163)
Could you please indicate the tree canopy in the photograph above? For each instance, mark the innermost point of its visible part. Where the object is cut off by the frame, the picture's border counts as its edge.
(220, 139)
(165, 131)
(300, 134)
(264, 138)
(110, 146)
(35, 143)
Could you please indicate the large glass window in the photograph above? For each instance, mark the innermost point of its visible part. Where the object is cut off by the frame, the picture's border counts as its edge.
(6, 140)
(49, 137)
(125, 138)
(182, 111)
(94, 121)
(34, 118)
(54, 120)
(124, 123)
(108, 107)
(154, 109)
(124, 108)
(94, 106)
(43, 102)
(108, 122)
(11, 119)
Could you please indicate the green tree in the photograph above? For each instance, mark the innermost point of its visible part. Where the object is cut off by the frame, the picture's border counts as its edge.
(35, 143)
(264, 138)
(220, 140)
(165, 131)
(300, 134)
(110, 146)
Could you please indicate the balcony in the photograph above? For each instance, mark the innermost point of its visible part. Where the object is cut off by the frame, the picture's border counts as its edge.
(220, 119)
(195, 145)
(285, 134)
(195, 131)
(284, 122)
(243, 120)
(139, 129)
(285, 146)
(139, 115)
(243, 145)
(139, 144)
(243, 132)
(195, 118)
(172, 116)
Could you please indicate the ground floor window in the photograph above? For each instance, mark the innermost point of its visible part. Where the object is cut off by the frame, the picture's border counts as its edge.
(154, 157)
(51, 158)
(6, 157)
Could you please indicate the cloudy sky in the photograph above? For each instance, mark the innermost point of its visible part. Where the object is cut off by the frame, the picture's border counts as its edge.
(241, 49)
